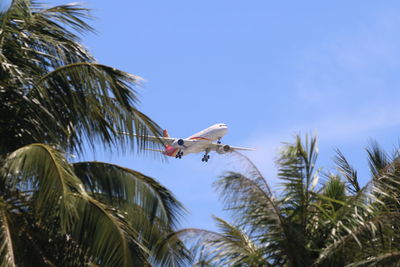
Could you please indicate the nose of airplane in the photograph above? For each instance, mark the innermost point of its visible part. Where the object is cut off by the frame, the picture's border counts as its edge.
(224, 129)
(221, 128)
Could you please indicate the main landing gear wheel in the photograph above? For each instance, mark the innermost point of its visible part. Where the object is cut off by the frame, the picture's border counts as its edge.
(179, 155)
(205, 158)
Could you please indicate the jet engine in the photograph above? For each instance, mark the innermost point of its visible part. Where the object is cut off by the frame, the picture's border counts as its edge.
(178, 143)
(223, 149)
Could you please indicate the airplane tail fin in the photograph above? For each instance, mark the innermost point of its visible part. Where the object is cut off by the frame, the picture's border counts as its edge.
(165, 133)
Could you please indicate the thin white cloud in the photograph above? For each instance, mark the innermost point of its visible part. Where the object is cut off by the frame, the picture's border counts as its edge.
(352, 68)
(334, 130)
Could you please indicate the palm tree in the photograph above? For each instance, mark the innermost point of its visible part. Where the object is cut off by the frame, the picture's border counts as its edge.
(54, 91)
(374, 236)
(55, 98)
(310, 223)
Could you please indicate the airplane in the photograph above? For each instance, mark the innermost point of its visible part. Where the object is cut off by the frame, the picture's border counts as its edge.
(197, 143)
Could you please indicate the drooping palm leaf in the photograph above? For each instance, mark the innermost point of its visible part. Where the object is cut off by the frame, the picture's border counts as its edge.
(236, 247)
(118, 185)
(60, 201)
(231, 246)
(348, 172)
(378, 159)
(53, 91)
(7, 252)
(42, 59)
(368, 223)
(106, 234)
(97, 102)
(42, 170)
(318, 225)
(149, 208)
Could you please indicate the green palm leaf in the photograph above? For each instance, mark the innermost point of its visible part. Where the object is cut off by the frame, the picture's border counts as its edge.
(103, 95)
(42, 170)
(231, 246)
(54, 92)
(58, 194)
(349, 173)
(378, 159)
(42, 59)
(117, 186)
(236, 247)
(105, 234)
(150, 209)
(7, 252)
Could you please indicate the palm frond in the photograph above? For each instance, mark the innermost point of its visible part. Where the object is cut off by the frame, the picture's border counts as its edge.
(249, 201)
(41, 59)
(104, 232)
(236, 247)
(169, 250)
(7, 252)
(100, 230)
(98, 102)
(378, 159)
(387, 259)
(150, 210)
(348, 172)
(71, 15)
(296, 165)
(40, 169)
(117, 185)
(34, 122)
(358, 222)
(231, 246)
(22, 239)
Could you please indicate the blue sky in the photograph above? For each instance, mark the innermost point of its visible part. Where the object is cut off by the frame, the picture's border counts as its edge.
(268, 69)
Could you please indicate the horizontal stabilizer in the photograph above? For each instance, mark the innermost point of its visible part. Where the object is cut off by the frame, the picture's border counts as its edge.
(155, 150)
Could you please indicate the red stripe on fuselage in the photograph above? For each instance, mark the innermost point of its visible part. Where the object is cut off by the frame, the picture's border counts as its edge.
(199, 138)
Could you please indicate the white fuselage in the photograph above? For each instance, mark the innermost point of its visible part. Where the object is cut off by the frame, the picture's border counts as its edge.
(199, 141)
(212, 133)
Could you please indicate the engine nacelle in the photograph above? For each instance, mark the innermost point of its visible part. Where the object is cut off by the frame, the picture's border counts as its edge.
(223, 149)
(178, 143)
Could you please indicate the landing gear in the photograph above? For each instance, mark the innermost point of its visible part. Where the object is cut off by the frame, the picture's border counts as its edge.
(206, 157)
(219, 140)
(179, 155)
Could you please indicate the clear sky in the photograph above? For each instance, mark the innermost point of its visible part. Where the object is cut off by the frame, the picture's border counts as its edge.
(268, 69)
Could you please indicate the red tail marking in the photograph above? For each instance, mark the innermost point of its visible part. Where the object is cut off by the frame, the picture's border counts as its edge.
(165, 133)
(167, 147)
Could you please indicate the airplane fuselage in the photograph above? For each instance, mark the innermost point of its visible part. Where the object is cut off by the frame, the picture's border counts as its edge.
(202, 140)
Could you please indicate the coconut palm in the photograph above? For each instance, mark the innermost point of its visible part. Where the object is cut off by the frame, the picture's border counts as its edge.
(373, 238)
(53, 90)
(328, 221)
(54, 99)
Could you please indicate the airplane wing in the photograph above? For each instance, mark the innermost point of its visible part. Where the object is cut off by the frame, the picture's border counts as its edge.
(176, 142)
(221, 148)
(166, 140)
